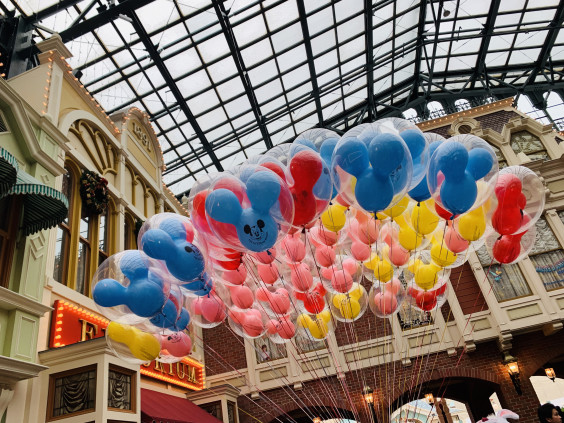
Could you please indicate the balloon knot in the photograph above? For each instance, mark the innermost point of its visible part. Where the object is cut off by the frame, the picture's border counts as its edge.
(268, 253)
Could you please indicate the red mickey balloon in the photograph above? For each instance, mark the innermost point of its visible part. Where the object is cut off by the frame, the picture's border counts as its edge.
(508, 216)
(305, 167)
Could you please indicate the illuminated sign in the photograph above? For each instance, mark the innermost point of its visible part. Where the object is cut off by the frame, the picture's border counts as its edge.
(71, 324)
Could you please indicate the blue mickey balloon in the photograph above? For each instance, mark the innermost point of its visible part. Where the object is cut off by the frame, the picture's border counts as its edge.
(459, 170)
(169, 243)
(421, 191)
(256, 228)
(145, 294)
(200, 287)
(419, 151)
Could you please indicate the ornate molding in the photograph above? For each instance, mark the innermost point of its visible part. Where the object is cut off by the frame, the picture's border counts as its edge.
(13, 370)
(10, 300)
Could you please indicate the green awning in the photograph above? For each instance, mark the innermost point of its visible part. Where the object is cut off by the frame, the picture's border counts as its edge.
(8, 171)
(43, 206)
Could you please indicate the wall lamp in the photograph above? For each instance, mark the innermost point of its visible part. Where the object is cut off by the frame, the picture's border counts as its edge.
(317, 420)
(512, 367)
(430, 398)
(550, 374)
(368, 394)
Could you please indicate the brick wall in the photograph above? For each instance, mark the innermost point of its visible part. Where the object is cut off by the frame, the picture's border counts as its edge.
(226, 344)
(437, 373)
(467, 289)
(494, 121)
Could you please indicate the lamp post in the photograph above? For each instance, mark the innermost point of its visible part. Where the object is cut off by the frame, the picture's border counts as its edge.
(512, 367)
(369, 398)
(550, 374)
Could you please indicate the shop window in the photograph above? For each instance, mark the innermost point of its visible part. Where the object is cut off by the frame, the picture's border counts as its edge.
(507, 281)
(103, 241)
(528, 144)
(121, 389)
(548, 257)
(64, 232)
(411, 318)
(304, 344)
(214, 408)
(72, 393)
(231, 412)
(267, 350)
(10, 208)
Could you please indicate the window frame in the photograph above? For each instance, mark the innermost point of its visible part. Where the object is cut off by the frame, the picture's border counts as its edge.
(10, 237)
(132, 386)
(51, 392)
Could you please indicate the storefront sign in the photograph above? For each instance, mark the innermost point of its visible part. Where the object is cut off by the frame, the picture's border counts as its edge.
(71, 324)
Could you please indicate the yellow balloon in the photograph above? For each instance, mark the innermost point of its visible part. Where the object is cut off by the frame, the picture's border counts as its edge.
(398, 209)
(426, 276)
(472, 225)
(334, 217)
(318, 329)
(338, 299)
(325, 316)
(441, 255)
(304, 321)
(372, 262)
(409, 239)
(356, 292)
(142, 345)
(383, 271)
(350, 308)
(381, 216)
(423, 220)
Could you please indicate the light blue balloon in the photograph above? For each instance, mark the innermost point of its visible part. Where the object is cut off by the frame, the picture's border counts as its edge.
(421, 191)
(352, 157)
(480, 162)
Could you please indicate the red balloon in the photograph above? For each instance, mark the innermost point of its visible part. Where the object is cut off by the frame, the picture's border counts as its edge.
(426, 300)
(507, 248)
(275, 168)
(314, 302)
(508, 216)
(305, 167)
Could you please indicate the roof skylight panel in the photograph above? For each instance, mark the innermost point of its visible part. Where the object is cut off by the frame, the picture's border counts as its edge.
(267, 92)
(203, 102)
(287, 37)
(262, 73)
(292, 58)
(238, 105)
(282, 14)
(319, 21)
(193, 83)
(256, 52)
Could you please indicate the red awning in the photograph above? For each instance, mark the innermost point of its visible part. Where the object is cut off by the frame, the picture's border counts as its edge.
(164, 408)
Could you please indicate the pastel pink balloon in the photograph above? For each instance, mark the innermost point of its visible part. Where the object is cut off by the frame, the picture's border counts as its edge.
(268, 272)
(280, 301)
(294, 248)
(236, 277)
(325, 236)
(213, 309)
(312, 237)
(197, 306)
(350, 266)
(252, 325)
(262, 294)
(302, 278)
(272, 326)
(253, 312)
(242, 296)
(385, 302)
(454, 241)
(368, 231)
(387, 233)
(266, 257)
(327, 272)
(177, 344)
(236, 316)
(287, 329)
(325, 256)
(398, 256)
(189, 228)
(342, 281)
(360, 251)
(394, 286)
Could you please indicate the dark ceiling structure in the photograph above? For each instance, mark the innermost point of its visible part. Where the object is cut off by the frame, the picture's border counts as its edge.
(226, 80)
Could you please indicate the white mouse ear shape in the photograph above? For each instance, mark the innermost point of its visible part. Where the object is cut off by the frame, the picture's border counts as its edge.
(507, 414)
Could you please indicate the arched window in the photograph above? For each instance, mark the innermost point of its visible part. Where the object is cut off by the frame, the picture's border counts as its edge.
(411, 114)
(130, 241)
(436, 110)
(555, 108)
(462, 104)
(528, 144)
(547, 256)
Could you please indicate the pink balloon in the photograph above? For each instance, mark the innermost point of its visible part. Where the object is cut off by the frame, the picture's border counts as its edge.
(268, 273)
(302, 278)
(294, 248)
(360, 251)
(252, 325)
(266, 257)
(262, 294)
(454, 241)
(272, 326)
(394, 286)
(325, 256)
(236, 316)
(327, 272)
(386, 302)
(280, 301)
(368, 231)
(236, 277)
(242, 296)
(197, 306)
(213, 309)
(324, 236)
(342, 281)
(398, 256)
(287, 329)
(177, 344)
(350, 266)
(387, 233)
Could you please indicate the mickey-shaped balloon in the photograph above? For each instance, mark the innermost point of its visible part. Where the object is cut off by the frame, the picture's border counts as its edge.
(382, 169)
(455, 167)
(256, 228)
(170, 242)
(145, 294)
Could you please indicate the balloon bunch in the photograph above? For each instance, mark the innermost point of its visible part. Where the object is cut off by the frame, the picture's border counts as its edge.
(315, 232)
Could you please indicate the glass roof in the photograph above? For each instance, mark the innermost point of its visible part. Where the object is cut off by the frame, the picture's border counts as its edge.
(226, 80)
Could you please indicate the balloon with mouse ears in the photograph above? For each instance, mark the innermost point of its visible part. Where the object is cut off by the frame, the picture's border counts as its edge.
(462, 174)
(259, 216)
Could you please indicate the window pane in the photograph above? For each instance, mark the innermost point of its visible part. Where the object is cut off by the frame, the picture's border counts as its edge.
(60, 248)
(103, 233)
(67, 190)
(85, 226)
(305, 344)
(507, 281)
(214, 408)
(119, 390)
(266, 350)
(74, 393)
(529, 144)
(82, 268)
(410, 317)
(550, 267)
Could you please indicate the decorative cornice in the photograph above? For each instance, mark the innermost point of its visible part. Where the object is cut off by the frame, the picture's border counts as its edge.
(10, 300)
(68, 353)
(213, 393)
(13, 370)
(473, 112)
